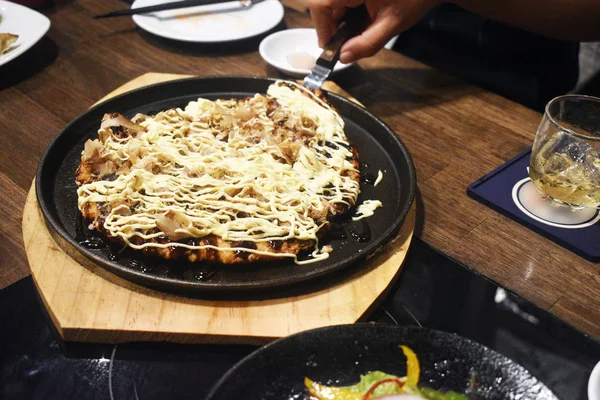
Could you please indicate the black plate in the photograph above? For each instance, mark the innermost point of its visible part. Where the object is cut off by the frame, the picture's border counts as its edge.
(379, 147)
(338, 355)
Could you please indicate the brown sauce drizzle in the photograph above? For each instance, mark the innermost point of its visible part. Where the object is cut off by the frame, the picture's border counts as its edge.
(275, 244)
(211, 253)
(337, 232)
(204, 276)
(138, 265)
(85, 238)
(114, 254)
(345, 145)
(364, 235)
(245, 244)
(191, 241)
(368, 178)
(241, 254)
(93, 243)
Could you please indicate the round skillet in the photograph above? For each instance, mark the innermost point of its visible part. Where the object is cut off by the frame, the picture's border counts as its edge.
(379, 147)
(338, 355)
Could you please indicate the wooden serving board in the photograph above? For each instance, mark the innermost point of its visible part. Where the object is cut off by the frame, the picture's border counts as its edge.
(88, 304)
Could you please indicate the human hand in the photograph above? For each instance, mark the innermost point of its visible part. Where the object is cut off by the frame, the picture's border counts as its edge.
(388, 18)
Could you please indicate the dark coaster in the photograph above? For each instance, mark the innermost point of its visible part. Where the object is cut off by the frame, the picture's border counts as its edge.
(509, 191)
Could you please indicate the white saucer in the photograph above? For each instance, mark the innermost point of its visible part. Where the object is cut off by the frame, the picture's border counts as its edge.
(285, 48)
(213, 23)
(28, 24)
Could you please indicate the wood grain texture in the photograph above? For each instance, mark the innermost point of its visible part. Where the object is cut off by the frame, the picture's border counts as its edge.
(88, 304)
(455, 132)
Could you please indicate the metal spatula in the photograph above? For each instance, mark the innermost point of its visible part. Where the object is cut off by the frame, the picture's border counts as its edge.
(354, 22)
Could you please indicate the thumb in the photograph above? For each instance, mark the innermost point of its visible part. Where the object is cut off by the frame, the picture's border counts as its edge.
(370, 41)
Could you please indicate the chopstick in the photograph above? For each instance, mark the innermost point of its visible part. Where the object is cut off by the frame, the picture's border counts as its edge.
(160, 7)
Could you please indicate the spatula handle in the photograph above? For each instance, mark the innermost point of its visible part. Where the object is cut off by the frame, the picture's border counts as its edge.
(353, 23)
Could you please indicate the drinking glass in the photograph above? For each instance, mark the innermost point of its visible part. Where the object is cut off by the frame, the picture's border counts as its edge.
(565, 160)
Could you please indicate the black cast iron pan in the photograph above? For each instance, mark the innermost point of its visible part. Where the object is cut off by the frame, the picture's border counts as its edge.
(380, 149)
(338, 355)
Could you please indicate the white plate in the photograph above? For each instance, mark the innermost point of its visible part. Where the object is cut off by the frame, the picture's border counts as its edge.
(29, 25)
(288, 50)
(213, 23)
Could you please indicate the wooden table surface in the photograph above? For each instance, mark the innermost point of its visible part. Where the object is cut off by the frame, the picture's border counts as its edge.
(455, 133)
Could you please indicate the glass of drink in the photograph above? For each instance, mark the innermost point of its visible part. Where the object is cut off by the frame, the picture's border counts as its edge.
(565, 160)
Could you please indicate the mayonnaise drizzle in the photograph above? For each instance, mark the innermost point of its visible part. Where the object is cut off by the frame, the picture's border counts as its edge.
(366, 209)
(224, 175)
(379, 178)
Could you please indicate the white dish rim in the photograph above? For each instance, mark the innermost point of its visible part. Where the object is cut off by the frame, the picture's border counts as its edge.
(140, 21)
(37, 35)
(262, 49)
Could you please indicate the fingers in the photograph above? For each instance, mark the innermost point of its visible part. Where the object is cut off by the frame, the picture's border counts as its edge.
(325, 15)
(322, 17)
(371, 40)
(339, 13)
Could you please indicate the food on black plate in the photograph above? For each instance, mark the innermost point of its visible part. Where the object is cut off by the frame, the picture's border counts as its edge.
(380, 385)
(227, 181)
